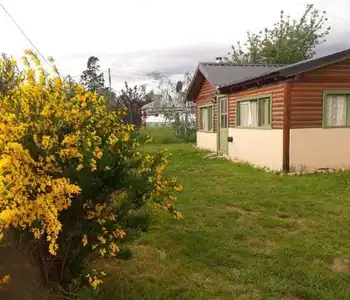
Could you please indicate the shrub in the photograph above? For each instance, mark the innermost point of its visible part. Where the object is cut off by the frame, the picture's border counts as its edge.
(71, 174)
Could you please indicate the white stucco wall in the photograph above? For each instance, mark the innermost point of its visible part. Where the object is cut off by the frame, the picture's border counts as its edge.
(260, 147)
(207, 140)
(315, 148)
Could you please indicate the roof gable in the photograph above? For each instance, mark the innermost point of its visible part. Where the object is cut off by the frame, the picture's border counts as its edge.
(222, 74)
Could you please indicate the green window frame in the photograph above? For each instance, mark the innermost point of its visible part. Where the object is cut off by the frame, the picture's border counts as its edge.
(206, 116)
(336, 108)
(259, 110)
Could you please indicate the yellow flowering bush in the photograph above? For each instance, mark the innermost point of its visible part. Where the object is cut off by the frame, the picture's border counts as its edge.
(4, 280)
(71, 172)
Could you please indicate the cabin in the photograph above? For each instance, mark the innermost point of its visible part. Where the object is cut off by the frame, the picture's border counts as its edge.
(282, 117)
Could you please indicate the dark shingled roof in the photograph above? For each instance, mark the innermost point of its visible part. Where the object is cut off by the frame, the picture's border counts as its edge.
(222, 74)
(226, 77)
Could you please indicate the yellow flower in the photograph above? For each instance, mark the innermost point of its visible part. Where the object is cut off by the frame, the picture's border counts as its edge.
(178, 188)
(84, 240)
(6, 215)
(46, 142)
(95, 282)
(102, 252)
(98, 154)
(5, 279)
(101, 239)
(37, 233)
(69, 140)
(125, 137)
(178, 215)
(118, 233)
(114, 249)
(93, 165)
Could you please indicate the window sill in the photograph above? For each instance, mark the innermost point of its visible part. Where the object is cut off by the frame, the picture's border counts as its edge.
(335, 127)
(206, 131)
(257, 127)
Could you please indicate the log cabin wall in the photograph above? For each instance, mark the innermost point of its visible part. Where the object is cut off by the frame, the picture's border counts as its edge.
(206, 95)
(277, 92)
(312, 146)
(307, 93)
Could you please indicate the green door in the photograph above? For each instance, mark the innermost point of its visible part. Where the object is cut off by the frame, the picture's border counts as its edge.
(223, 123)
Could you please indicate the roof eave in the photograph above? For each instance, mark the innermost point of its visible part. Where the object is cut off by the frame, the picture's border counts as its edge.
(192, 90)
(248, 83)
(314, 65)
(189, 94)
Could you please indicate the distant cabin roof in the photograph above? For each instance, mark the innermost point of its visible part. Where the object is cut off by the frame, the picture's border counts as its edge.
(225, 77)
(222, 74)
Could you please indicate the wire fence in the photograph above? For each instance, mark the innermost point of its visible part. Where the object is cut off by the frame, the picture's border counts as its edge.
(181, 119)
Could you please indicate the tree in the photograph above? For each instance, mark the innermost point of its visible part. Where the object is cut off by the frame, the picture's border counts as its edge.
(289, 41)
(172, 105)
(171, 93)
(92, 79)
(134, 97)
(9, 75)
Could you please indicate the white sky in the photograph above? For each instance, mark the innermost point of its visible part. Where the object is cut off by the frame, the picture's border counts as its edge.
(138, 36)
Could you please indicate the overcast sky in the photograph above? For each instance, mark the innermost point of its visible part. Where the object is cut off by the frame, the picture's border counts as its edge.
(134, 37)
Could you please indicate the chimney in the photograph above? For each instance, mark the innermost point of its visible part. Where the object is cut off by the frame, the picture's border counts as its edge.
(218, 59)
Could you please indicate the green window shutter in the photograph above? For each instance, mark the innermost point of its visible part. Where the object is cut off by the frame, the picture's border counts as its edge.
(206, 118)
(261, 110)
(265, 112)
(210, 118)
(270, 111)
(326, 111)
(238, 113)
(348, 110)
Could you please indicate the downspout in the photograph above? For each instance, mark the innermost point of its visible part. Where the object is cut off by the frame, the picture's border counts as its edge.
(286, 127)
(217, 119)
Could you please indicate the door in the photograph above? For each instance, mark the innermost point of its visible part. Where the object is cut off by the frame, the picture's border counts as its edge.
(223, 124)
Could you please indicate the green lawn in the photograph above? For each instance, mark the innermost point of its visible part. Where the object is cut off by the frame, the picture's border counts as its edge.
(245, 234)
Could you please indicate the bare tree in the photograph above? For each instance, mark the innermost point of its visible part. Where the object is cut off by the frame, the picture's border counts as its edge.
(171, 103)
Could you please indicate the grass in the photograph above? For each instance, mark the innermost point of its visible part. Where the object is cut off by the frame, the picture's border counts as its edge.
(164, 135)
(246, 234)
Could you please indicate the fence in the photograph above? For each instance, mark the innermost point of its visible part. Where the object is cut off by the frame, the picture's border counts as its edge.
(174, 116)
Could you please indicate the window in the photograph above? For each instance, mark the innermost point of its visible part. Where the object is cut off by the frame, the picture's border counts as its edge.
(223, 112)
(336, 109)
(206, 118)
(254, 112)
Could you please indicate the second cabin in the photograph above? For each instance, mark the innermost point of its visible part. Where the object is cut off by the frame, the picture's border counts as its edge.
(292, 117)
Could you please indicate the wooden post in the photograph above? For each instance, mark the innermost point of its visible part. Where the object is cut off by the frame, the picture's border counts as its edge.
(286, 127)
